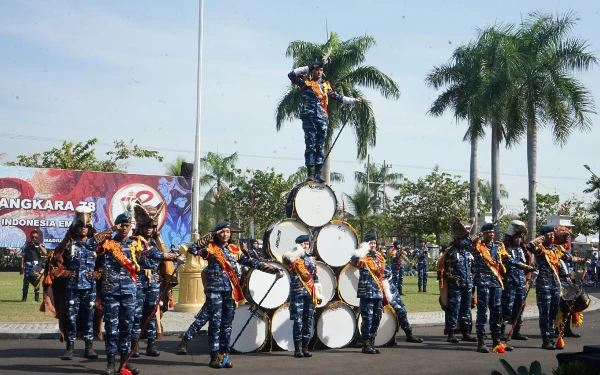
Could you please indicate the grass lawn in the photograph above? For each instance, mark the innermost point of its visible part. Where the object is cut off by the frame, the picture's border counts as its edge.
(12, 310)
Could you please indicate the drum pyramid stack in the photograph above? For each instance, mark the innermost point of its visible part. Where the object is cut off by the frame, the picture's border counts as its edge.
(310, 209)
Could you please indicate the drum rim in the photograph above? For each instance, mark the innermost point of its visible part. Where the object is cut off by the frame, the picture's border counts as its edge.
(247, 284)
(287, 304)
(338, 281)
(259, 310)
(388, 307)
(335, 222)
(330, 306)
(295, 191)
(273, 257)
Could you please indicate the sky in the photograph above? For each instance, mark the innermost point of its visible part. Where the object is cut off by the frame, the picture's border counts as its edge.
(128, 70)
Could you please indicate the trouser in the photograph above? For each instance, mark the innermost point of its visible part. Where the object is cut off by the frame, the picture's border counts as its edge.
(149, 296)
(398, 277)
(27, 266)
(302, 314)
(221, 309)
(422, 269)
(118, 311)
(513, 297)
(200, 320)
(315, 132)
(547, 302)
(137, 314)
(371, 310)
(80, 308)
(400, 310)
(489, 298)
(459, 307)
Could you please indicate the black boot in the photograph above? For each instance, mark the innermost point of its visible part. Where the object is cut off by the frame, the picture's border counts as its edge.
(481, 347)
(367, 349)
(451, 338)
(305, 351)
(517, 334)
(465, 333)
(372, 343)
(547, 344)
(136, 352)
(503, 336)
(110, 365)
(24, 299)
(297, 349)
(69, 353)
(182, 348)
(227, 364)
(151, 350)
(37, 297)
(392, 342)
(424, 289)
(419, 289)
(310, 173)
(497, 340)
(412, 338)
(568, 331)
(400, 291)
(318, 168)
(214, 360)
(133, 370)
(89, 352)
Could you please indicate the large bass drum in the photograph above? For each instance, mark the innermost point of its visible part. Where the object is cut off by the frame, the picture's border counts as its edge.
(348, 285)
(328, 281)
(574, 299)
(335, 243)
(312, 202)
(281, 237)
(282, 328)
(387, 327)
(256, 333)
(259, 283)
(336, 325)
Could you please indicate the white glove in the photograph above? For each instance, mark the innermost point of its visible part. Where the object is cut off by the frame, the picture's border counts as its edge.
(319, 293)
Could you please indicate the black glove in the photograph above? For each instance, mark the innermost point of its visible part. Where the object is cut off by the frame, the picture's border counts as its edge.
(454, 279)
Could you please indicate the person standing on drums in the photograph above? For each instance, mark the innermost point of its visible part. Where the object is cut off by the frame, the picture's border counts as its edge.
(421, 253)
(398, 256)
(370, 290)
(392, 294)
(222, 287)
(515, 284)
(31, 254)
(315, 98)
(305, 293)
(547, 283)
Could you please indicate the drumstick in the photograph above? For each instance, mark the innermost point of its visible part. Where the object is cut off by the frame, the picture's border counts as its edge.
(225, 356)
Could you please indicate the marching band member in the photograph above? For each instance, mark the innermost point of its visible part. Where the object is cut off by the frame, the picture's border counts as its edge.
(398, 256)
(222, 287)
(31, 254)
(370, 290)
(306, 293)
(315, 97)
(421, 253)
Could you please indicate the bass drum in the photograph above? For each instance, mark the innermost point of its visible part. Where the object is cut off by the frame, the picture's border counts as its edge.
(348, 285)
(387, 327)
(328, 281)
(36, 274)
(335, 243)
(259, 283)
(336, 325)
(574, 299)
(255, 335)
(282, 328)
(313, 202)
(280, 237)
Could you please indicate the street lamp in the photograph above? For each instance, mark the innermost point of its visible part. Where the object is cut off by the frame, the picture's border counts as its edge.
(598, 203)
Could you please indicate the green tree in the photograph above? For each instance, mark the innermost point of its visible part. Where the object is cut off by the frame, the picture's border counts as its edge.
(300, 176)
(174, 168)
(485, 195)
(382, 224)
(347, 74)
(361, 206)
(425, 207)
(594, 186)
(546, 205)
(219, 172)
(82, 156)
(546, 93)
(583, 222)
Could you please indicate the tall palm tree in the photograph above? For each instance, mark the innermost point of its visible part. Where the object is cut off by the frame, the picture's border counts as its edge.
(485, 194)
(344, 70)
(362, 205)
(546, 91)
(219, 172)
(174, 168)
(300, 176)
(379, 176)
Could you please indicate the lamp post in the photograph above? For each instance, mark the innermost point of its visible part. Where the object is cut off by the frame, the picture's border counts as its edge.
(598, 197)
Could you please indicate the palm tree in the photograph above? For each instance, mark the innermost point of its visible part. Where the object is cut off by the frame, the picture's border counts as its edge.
(485, 194)
(345, 72)
(378, 176)
(174, 168)
(362, 206)
(300, 176)
(546, 92)
(219, 172)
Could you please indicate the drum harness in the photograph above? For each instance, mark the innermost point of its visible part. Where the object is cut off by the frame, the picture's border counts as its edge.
(570, 304)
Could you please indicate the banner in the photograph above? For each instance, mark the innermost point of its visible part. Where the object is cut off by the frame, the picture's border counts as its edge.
(45, 199)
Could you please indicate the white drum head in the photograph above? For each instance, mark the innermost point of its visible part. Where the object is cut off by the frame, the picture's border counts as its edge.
(348, 285)
(283, 237)
(315, 204)
(259, 283)
(335, 243)
(387, 327)
(336, 325)
(255, 335)
(328, 281)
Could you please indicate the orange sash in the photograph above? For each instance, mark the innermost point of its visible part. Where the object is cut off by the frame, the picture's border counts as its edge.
(376, 272)
(306, 279)
(322, 96)
(115, 248)
(217, 252)
(552, 259)
(482, 249)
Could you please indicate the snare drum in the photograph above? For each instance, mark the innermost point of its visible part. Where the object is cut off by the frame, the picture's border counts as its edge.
(36, 274)
(281, 237)
(328, 281)
(259, 283)
(348, 285)
(335, 243)
(255, 335)
(336, 325)
(573, 299)
(387, 327)
(312, 202)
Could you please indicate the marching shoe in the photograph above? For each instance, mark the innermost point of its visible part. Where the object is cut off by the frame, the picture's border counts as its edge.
(481, 347)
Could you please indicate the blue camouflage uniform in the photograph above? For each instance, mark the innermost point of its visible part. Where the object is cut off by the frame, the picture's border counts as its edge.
(458, 265)
(252, 254)
(200, 319)
(149, 261)
(515, 287)
(398, 261)
(396, 301)
(33, 255)
(489, 291)
(80, 260)
(422, 267)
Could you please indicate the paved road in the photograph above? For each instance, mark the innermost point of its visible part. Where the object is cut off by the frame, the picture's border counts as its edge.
(435, 356)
